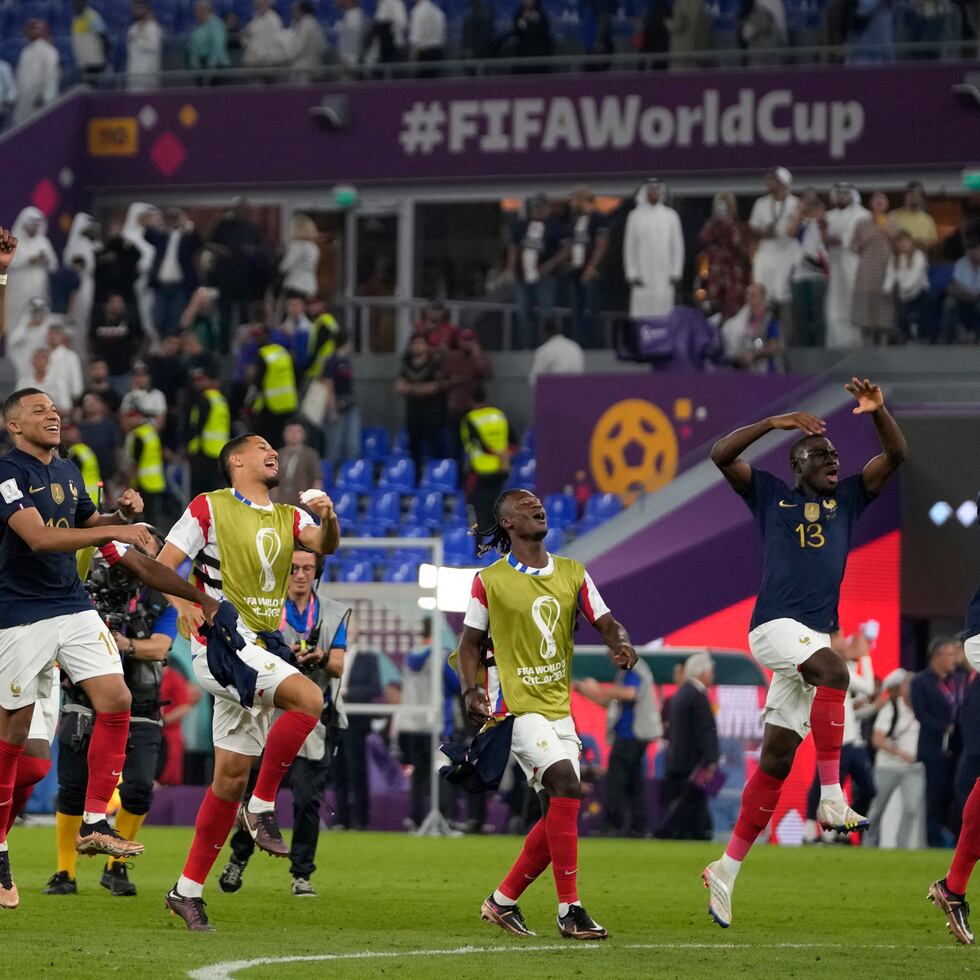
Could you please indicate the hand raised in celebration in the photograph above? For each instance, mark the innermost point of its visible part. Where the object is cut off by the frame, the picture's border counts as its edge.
(804, 421)
(8, 245)
(869, 396)
(130, 504)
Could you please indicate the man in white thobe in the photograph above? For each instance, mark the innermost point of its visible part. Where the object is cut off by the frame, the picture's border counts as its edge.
(653, 252)
(38, 72)
(841, 219)
(426, 32)
(32, 264)
(264, 37)
(777, 253)
(144, 49)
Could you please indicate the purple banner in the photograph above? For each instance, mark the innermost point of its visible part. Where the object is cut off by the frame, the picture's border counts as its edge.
(641, 430)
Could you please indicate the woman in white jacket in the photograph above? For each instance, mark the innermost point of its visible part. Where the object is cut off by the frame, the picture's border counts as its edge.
(302, 258)
(33, 262)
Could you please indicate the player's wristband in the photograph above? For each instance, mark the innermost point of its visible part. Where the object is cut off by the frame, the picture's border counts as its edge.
(123, 517)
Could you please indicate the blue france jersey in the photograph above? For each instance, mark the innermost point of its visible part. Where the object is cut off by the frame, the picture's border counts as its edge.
(42, 585)
(806, 541)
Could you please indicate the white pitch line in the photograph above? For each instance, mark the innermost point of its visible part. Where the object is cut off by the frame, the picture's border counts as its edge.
(227, 969)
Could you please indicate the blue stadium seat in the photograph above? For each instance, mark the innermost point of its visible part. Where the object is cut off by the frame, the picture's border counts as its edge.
(370, 529)
(385, 508)
(356, 475)
(10, 48)
(527, 441)
(459, 547)
(440, 474)
(554, 540)
(561, 509)
(416, 555)
(426, 508)
(326, 472)
(357, 571)
(602, 506)
(412, 530)
(397, 473)
(523, 476)
(374, 443)
(402, 571)
(27, 10)
(458, 511)
(345, 505)
(582, 527)
(400, 445)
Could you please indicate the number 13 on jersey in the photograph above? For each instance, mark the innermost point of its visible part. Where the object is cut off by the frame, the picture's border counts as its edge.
(811, 535)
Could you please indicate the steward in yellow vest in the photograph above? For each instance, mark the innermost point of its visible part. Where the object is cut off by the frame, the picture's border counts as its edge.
(144, 456)
(273, 380)
(83, 456)
(486, 439)
(208, 429)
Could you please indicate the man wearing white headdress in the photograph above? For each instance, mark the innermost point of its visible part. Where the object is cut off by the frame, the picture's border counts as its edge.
(139, 216)
(846, 212)
(81, 249)
(38, 71)
(777, 252)
(33, 261)
(28, 333)
(653, 252)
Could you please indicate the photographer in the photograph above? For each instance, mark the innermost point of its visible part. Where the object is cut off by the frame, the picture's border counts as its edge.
(143, 628)
(316, 631)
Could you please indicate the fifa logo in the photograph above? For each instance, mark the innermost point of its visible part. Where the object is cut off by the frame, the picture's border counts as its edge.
(546, 611)
(268, 545)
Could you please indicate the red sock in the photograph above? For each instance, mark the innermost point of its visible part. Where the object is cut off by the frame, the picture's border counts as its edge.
(533, 859)
(759, 799)
(286, 738)
(211, 829)
(968, 845)
(9, 756)
(30, 771)
(106, 756)
(827, 725)
(561, 825)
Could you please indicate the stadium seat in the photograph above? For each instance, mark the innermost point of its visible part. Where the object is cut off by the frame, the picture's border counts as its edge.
(602, 506)
(527, 441)
(27, 10)
(440, 474)
(412, 530)
(416, 555)
(561, 509)
(368, 528)
(554, 540)
(356, 476)
(400, 445)
(358, 571)
(427, 508)
(523, 476)
(374, 443)
(457, 508)
(385, 508)
(326, 472)
(582, 527)
(397, 473)
(345, 506)
(459, 547)
(402, 571)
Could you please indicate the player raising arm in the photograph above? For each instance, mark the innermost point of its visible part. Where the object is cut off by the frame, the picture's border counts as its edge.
(806, 530)
(528, 602)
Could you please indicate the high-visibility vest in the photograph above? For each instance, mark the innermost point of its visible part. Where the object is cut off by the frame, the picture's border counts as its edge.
(88, 464)
(323, 343)
(216, 430)
(279, 383)
(485, 451)
(149, 467)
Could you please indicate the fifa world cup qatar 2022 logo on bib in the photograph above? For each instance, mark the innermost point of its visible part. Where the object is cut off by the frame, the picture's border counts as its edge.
(268, 545)
(546, 611)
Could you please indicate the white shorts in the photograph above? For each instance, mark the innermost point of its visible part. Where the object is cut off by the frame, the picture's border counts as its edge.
(972, 649)
(782, 645)
(80, 642)
(538, 742)
(238, 729)
(44, 721)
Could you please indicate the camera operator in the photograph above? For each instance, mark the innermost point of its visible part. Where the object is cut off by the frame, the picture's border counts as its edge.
(316, 631)
(143, 626)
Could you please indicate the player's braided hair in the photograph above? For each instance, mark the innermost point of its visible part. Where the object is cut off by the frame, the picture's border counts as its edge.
(495, 537)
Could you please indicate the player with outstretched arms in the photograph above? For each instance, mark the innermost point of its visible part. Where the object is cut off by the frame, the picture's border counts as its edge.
(528, 603)
(806, 530)
(241, 545)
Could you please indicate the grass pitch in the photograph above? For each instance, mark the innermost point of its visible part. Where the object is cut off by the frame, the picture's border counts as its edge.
(399, 906)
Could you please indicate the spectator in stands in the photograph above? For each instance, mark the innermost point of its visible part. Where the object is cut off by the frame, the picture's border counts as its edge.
(465, 370)
(38, 71)
(100, 432)
(535, 254)
(486, 441)
(207, 427)
(763, 28)
(89, 41)
(39, 376)
(116, 337)
(296, 325)
(725, 247)
(168, 371)
(532, 34)
(418, 382)
(116, 265)
(99, 383)
(8, 93)
(28, 334)
(655, 37)
(426, 35)
(962, 304)
(907, 280)
(80, 253)
(144, 49)
(202, 318)
(914, 218)
(776, 252)
(689, 24)
(895, 737)
(299, 264)
(273, 393)
(352, 30)
(84, 458)
(64, 284)
(342, 417)
(305, 43)
(388, 31)
(207, 46)
(233, 25)
(557, 355)
(435, 326)
(808, 278)
(653, 252)
(263, 38)
(325, 335)
(869, 34)
(140, 219)
(692, 754)
(33, 262)
(66, 365)
(173, 271)
(477, 32)
(299, 466)
(751, 339)
(142, 397)
(585, 252)
(873, 310)
(143, 464)
(845, 213)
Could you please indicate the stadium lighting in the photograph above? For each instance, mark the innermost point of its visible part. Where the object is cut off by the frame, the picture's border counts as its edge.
(966, 513)
(452, 587)
(940, 512)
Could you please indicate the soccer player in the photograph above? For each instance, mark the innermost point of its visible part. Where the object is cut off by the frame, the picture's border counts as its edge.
(46, 615)
(806, 531)
(949, 893)
(528, 603)
(242, 546)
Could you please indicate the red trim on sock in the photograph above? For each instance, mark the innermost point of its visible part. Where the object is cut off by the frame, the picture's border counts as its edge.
(967, 846)
(531, 862)
(286, 738)
(9, 756)
(561, 827)
(30, 771)
(106, 757)
(211, 829)
(759, 799)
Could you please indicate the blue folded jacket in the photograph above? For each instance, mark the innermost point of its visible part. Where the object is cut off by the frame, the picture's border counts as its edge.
(224, 642)
(481, 765)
